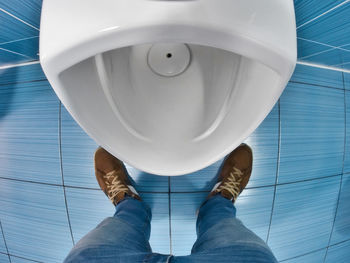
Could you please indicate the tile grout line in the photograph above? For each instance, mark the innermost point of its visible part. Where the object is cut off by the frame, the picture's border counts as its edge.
(17, 18)
(324, 13)
(329, 49)
(169, 211)
(22, 64)
(156, 192)
(32, 260)
(13, 52)
(341, 47)
(61, 167)
(341, 178)
(315, 65)
(277, 169)
(3, 236)
(316, 250)
(17, 40)
(315, 85)
(302, 255)
(23, 82)
(342, 64)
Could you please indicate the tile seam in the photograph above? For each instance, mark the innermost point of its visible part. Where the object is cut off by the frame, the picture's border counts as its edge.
(315, 85)
(19, 19)
(277, 170)
(315, 65)
(13, 52)
(61, 168)
(178, 192)
(316, 250)
(3, 237)
(23, 82)
(169, 211)
(22, 64)
(341, 178)
(17, 40)
(324, 13)
(32, 260)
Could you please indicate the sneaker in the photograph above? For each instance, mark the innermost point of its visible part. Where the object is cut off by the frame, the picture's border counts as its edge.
(235, 173)
(112, 177)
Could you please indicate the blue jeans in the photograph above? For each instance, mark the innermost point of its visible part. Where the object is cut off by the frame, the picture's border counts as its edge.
(125, 237)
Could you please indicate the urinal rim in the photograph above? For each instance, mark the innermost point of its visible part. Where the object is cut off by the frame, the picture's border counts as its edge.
(242, 44)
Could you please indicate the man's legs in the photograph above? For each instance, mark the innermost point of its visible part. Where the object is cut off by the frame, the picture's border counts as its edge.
(221, 237)
(121, 238)
(125, 236)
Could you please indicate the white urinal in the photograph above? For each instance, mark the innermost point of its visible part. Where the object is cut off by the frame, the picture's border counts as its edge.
(170, 86)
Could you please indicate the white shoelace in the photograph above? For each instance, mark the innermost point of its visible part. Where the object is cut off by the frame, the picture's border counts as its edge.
(232, 185)
(114, 185)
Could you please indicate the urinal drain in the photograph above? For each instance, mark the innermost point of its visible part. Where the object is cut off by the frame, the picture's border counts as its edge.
(169, 59)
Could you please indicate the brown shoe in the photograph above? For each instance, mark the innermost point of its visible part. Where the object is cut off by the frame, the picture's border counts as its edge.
(112, 177)
(235, 173)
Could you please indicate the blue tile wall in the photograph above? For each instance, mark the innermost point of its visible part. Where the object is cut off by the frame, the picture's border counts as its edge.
(309, 9)
(12, 29)
(332, 57)
(317, 76)
(28, 11)
(332, 28)
(8, 57)
(347, 81)
(308, 48)
(323, 26)
(300, 145)
(28, 47)
(32, 73)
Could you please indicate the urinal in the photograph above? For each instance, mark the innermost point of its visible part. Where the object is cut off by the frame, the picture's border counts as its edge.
(172, 86)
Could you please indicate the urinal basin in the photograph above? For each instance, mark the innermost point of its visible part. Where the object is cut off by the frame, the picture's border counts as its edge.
(169, 87)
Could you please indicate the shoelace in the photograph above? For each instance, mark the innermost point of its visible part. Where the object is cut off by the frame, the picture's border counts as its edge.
(114, 185)
(232, 185)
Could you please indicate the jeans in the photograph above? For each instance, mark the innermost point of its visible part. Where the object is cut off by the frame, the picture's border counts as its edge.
(125, 237)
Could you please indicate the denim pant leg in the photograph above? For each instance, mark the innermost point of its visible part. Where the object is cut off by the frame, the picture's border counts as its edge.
(221, 237)
(121, 238)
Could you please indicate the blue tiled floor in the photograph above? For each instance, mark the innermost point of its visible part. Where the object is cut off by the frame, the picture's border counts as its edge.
(312, 130)
(347, 143)
(341, 229)
(300, 146)
(303, 216)
(314, 257)
(34, 220)
(4, 258)
(339, 253)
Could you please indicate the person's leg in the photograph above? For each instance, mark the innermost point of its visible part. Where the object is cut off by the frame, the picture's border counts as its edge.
(221, 237)
(121, 238)
(125, 236)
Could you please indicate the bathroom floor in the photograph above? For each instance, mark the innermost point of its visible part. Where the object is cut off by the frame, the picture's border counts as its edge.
(297, 200)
